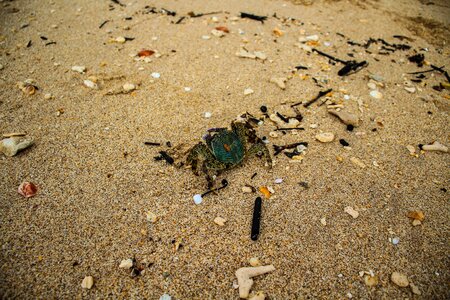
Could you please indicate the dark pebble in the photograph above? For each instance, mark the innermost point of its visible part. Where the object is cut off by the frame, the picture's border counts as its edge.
(344, 142)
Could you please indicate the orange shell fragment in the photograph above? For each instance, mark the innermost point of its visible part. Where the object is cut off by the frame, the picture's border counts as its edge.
(265, 191)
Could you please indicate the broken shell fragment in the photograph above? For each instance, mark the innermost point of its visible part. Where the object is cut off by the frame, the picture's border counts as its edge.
(399, 279)
(346, 117)
(14, 144)
(244, 276)
(87, 282)
(27, 189)
(279, 81)
(258, 296)
(416, 215)
(145, 53)
(436, 146)
(325, 137)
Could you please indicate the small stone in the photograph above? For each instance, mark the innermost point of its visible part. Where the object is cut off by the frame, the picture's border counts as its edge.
(218, 33)
(436, 146)
(278, 180)
(376, 94)
(371, 280)
(416, 215)
(206, 37)
(273, 134)
(279, 81)
(27, 189)
(414, 289)
(220, 221)
(126, 264)
(198, 199)
(248, 91)
(128, 87)
(323, 221)
(258, 296)
(410, 89)
(399, 279)
(87, 282)
(79, 69)
(10, 146)
(395, 241)
(48, 96)
(376, 77)
(151, 217)
(254, 262)
(1, 67)
(416, 223)
(120, 40)
(325, 137)
(247, 189)
(156, 75)
(165, 297)
(215, 19)
(346, 97)
(90, 84)
(351, 212)
(207, 115)
(187, 89)
(411, 149)
(372, 85)
(357, 162)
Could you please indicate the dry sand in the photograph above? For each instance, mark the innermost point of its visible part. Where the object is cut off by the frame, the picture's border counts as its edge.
(97, 180)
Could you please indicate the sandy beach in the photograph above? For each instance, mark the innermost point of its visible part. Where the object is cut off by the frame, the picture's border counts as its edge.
(358, 211)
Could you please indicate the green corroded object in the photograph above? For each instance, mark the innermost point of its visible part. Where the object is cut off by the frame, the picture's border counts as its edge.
(227, 147)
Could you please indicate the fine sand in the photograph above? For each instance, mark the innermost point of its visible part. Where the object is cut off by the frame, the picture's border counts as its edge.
(97, 180)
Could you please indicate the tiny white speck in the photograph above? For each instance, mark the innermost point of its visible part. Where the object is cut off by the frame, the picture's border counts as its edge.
(198, 199)
(328, 44)
(278, 180)
(346, 97)
(395, 240)
(207, 115)
(156, 75)
(187, 89)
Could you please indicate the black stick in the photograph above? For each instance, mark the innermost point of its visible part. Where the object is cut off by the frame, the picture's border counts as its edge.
(320, 95)
(103, 24)
(224, 185)
(329, 56)
(152, 143)
(290, 128)
(256, 222)
(253, 17)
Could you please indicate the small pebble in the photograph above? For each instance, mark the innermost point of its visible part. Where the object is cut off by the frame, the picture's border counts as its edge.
(206, 37)
(79, 69)
(372, 86)
(48, 96)
(254, 262)
(411, 149)
(416, 223)
(218, 33)
(323, 221)
(151, 217)
(87, 282)
(414, 289)
(247, 189)
(187, 89)
(278, 180)
(371, 280)
(351, 212)
(1, 67)
(90, 84)
(410, 89)
(376, 77)
(126, 264)
(395, 241)
(346, 117)
(248, 91)
(357, 162)
(128, 87)
(220, 221)
(436, 146)
(346, 97)
(258, 296)
(165, 297)
(27, 189)
(313, 126)
(279, 81)
(416, 215)
(198, 199)
(376, 94)
(344, 143)
(399, 279)
(325, 137)
(207, 115)
(265, 191)
(156, 75)
(120, 40)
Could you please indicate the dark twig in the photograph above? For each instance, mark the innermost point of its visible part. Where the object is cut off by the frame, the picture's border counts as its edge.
(180, 19)
(103, 24)
(224, 185)
(253, 17)
(278, 148)
(256, 219)
(163, 155)
(194, 15)
(329, 56)
(289, 128)
(320, 95)
(152, 144)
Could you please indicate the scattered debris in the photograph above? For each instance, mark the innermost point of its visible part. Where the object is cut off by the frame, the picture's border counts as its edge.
(325, 137)
(79, 69)
(376, 94)
(436, 146)
(253, 17)
(323, 221)
(414, 289)
(248, 91)
(87, 282)
(28, 87)
(320, 95)
(156, 75)
(256, 219)
(416, 215)
(265, 191)
(351, 212)
(145, 53)
(279, 81)
(126, 263)
(244, 276)
(254, 262)
(27, 189)
(90, 84)
(370, 280)
(399, 279)
(198, 199)
(253, 55)
(151, 217)
(163, 155)
(12, 145)
(258, 296)
(247, 189)
(220, 221)
(165, 297)
(357, 162)
(128, 87)
(346, 117)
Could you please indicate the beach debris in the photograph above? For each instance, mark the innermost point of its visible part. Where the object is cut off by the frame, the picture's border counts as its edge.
(351, 212)
(151, 217)
(256, 219)
(247, 189)
(414, 289)
(265, 191)
(357, 162)
(28, 87)
(279, 148)
(416, 223)
(253, 17)
(27, 189)
(224, 185)
(254, 262)
(163, 155)
(419, 59)
(395, 240)
(416, 215)
(128, 87)
(248, 91)
(223, 29)
(346, 117)
(220, 221)
(145, 53)
(120, 40)
(376, 94)
(126, 263)
(217, 33)
(187, 89)
(90, 84)
(253, 55)
(279, 81)
(79, 69)
(48, 96)
(13, 144)
(165, 297)
(436, 146)
(278, 180)
(344, 143)
(198, 199)
(245, 275)
(155, 75)
(207, 115)
(206, 37)
(152, 144)
(258, 296)
(399, 279)
(87, 282)
(371, 280)
(325, 137)
(323, 221)
(411, 149)
(410, 89)
(277, 32)
(320, 95)
(350, 66)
